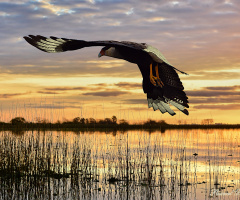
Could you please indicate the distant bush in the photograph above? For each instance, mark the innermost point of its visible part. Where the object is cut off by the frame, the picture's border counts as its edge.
(153, 122)
(18, 121)
(123, 122)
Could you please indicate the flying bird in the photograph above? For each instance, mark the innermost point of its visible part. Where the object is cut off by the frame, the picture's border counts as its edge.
(160, 82)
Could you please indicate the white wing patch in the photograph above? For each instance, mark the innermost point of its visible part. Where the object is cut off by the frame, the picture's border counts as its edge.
(54, 41)
(51, 46)
(156, 54)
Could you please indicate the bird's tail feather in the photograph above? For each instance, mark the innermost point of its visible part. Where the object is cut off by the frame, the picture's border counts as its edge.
(180, 71)
(158, 104)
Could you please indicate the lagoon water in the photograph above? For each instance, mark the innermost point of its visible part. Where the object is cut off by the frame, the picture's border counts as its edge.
(176, 164)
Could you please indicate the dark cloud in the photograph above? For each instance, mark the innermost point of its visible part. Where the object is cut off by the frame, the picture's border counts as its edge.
(221, 98)
(48, 92)
(50, 106)
(10, 95)
(126, 85)
(144, 108)
(94, 87)
(224, 75)
(211, 100)
(219, 107)
(112, 93)
(75, 69)
(217, 93)
(223, 88)
(55, 90)
(64, 88)
(135, 101)
(100, 85)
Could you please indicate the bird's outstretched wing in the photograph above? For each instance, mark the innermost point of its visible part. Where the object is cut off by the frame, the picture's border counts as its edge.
(54, 44)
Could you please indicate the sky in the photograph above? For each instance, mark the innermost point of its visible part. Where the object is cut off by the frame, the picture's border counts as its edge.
(201, 38)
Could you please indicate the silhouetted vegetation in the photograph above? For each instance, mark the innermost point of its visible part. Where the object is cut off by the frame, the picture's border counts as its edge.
(207, 121)
(64, 165)
(18, 124)
(18, 121)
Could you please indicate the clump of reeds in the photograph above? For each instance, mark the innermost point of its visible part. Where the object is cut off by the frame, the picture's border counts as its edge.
(96, 165)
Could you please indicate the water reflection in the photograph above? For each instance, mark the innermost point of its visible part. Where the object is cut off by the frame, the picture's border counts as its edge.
(177, 164)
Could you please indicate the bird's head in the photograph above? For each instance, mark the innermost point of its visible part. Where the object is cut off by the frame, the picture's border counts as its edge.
(106, 51)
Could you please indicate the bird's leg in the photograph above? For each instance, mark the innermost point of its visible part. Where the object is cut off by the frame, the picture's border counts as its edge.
(152, 78)
(155, 80)
(159, 81)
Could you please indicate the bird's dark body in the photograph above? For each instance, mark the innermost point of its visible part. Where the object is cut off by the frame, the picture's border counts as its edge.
(142, 59)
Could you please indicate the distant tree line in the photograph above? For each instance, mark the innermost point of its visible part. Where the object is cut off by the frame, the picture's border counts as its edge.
(19, 124)
(80, 121)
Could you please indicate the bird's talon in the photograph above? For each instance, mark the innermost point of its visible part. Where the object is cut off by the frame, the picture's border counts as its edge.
(152, 79)
(156, 81)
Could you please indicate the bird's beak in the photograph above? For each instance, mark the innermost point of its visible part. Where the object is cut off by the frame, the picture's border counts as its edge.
(101, 53)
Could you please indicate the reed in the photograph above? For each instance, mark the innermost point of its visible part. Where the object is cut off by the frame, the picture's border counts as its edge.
(69, 165)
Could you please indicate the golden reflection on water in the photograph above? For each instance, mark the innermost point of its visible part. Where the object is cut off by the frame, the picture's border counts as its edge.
(187, 164)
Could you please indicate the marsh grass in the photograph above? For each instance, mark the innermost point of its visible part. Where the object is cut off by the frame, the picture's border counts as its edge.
(66, 165)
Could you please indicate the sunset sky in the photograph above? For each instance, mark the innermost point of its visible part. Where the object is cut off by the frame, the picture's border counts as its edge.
(201, 38)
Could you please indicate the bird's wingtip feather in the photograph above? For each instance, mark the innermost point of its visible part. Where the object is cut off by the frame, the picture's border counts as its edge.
(185, 111)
